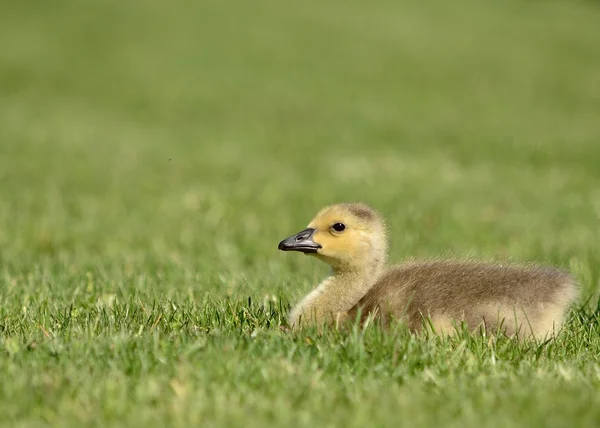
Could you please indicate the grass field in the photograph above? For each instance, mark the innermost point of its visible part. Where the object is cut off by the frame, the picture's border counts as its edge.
(153, 154)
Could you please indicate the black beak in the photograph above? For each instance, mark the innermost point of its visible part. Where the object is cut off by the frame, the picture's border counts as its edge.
(301, 241)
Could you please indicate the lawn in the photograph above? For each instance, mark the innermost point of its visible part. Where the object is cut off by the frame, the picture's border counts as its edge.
(153, 154)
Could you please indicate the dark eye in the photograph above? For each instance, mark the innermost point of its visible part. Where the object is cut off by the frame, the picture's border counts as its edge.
(339, 227)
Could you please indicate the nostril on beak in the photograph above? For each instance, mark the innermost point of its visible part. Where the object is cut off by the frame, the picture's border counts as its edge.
(301, 241)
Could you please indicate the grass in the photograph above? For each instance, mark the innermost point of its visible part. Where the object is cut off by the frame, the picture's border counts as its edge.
(152, 156)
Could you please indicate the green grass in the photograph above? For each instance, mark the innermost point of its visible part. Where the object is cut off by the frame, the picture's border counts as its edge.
(153, 154)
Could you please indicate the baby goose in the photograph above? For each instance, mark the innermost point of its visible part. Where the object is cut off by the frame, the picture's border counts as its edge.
(351, 238)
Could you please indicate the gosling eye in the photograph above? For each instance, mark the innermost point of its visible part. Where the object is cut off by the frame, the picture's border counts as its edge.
(339, 227)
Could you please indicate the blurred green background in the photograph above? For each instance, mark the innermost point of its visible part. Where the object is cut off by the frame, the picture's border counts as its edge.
(160, 150)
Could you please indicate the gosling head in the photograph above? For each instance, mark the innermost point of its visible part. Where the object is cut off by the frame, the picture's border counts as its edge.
(348, 235)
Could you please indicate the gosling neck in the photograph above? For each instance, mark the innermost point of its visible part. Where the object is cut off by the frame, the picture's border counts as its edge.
(356, 280)
(368, 270)
(338, 293)
(347, 284)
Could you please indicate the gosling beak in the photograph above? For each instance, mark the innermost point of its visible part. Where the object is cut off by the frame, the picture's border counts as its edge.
(301, 241)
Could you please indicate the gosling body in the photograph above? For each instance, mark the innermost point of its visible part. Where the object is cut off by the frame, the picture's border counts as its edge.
(515, 300)
(521, 300)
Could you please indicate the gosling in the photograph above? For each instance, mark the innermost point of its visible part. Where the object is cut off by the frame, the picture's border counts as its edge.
(440, 295)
